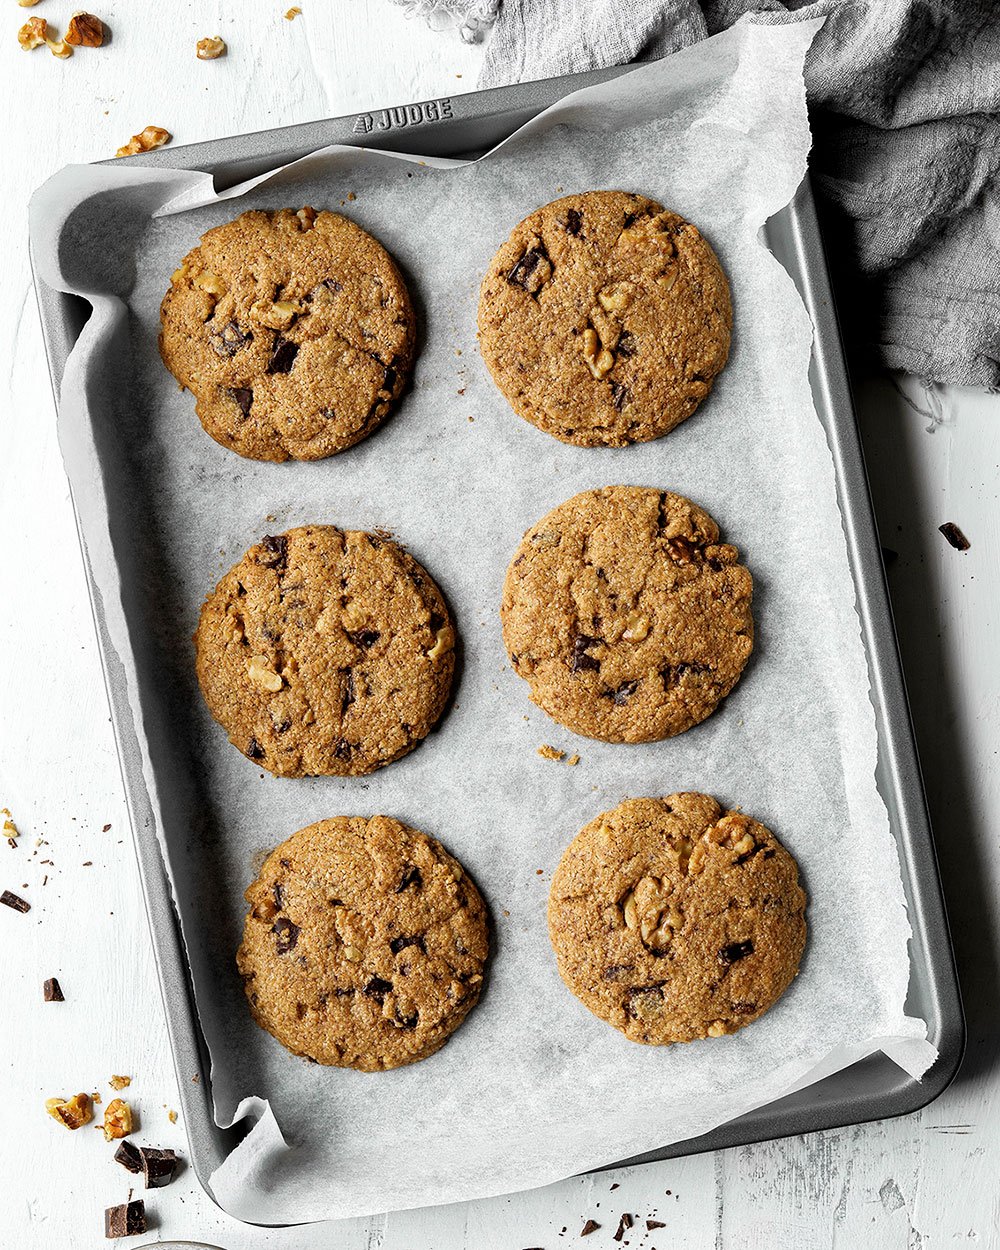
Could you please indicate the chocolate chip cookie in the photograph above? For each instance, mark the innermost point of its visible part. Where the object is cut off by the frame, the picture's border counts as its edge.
(364, 945)
(627, 617)
(293, 330)
(604, 319)
(672, 919)
(325, 652)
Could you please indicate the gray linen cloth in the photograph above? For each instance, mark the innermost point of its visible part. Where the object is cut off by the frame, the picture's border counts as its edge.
(905, 106)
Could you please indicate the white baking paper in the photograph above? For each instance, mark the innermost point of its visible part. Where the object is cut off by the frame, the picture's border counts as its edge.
(532, 1087)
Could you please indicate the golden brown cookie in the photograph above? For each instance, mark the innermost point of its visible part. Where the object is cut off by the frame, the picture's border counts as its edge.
(325, 652)
(364, 945)
(627, 617)
(604, 319)
(673, 920)
(293, 330)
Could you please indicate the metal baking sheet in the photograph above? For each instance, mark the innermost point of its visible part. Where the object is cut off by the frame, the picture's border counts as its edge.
(461, 127)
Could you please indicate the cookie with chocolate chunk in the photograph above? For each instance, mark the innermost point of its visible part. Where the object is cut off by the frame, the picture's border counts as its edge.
(294, 331)
(604, 319)
(364, 945)
(627, 617)
(325, 652)
(673, 919)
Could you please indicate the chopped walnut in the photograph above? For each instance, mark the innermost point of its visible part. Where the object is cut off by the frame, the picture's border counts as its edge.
(551, 753)
(85, 31)
(27, 4)
(73, 1112)
(443, 642)
(117, 1119)
(211, 283)
(292, 13)
(263, 675)
(306, 216)
(210, 48)
(148, 139)
(59, 48)
(120, 1082)
(33, 33)
(599, 360)
(172, 1117)
(10, 830)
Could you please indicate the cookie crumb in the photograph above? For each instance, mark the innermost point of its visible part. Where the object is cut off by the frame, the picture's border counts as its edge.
(551, 753)
(573, 761)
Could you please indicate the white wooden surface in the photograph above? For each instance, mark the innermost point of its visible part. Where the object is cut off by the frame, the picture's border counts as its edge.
(927, 1181)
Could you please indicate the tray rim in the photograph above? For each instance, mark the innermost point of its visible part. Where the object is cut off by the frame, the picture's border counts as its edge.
(501, 110)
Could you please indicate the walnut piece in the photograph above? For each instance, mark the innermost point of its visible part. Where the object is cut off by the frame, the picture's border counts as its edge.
(292, 13)
(33, 33)
(211, 283)
(647, 910)
(443, 642)
(117, 1119)
(263, 675)
(120, 1082)
(148, 139)
(27, 4)
(210, 48)
(599, 360)
(73, 1112)
(85, 31)
(278, 315)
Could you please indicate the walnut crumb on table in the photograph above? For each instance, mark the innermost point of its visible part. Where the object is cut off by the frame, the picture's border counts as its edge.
(73, 1112)
(551, 753)
(210, 48)
(85, 31)
(148, 139)
(292, 13)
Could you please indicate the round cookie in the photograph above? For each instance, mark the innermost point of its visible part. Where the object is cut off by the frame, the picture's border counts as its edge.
(604, 319)
(627, 617)
(674, 920)
(293, 330)
(325, 652)
(364, 945)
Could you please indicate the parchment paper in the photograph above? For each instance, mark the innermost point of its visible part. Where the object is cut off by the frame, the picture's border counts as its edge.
(532, 1087)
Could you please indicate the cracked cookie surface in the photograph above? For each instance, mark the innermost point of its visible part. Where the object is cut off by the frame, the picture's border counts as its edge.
(364, 945)
(604, 319)
(627, 617)
(325, 652)
(294, 331)
(672, 919)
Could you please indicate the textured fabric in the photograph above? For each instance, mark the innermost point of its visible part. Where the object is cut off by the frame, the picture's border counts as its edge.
(905, 98)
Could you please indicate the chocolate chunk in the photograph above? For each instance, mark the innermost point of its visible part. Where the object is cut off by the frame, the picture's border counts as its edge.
(629, 219)
(275, 554)
(158, 1166)
(243, 396)
(401, 943)
(364, 638)
(52, 991)
(254, 750)
(377, 989)
(229, 340)
(343, 750)
(282, 355)
(955, 536)
(734, 952)
(529, 272)
(128, 1156)
(349, 696)
(614, 971)
(127, 1220)
(284, 727)
(591, 1226)
(744, 1009)
(619, 394)
(574, 220)
(626, 345)
(410, 877)
(407, 1022)
(622, 693)
(653, 994)
(15, 901)
(582, 662)
(286, 934)
(436, 622)
(624, 1224)
(651, 1224)
(673, 673)
(389, 380)
(279, 896)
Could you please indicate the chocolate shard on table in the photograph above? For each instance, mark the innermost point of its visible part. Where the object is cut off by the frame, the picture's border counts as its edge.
(14, 901)
(158, 1166)
(52, 991)
(126, 1220)
(129, 1157)
(955, 536)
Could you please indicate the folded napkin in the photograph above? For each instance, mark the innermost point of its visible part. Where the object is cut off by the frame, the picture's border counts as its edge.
(905, 107)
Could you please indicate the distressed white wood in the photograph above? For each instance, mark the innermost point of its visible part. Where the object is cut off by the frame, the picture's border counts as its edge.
(926, 1181)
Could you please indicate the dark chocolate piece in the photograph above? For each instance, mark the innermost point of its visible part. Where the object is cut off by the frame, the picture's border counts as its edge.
(651, 1224)
(14, 901)
(229, 340)
(377, 989)
(624, 1223)
(591, 1226)
(52, 991)
(955, 536)
(734, 952)
(622, 693)
(158, 1166)
(398, 944)
(619, 394)
(254, 750)
(410, 877)
(523, 273)
(275, 551)
(282, 355)
(364, 638)
(574, 220)
(127, 1220)
(128, 1156)
(243, 396)
(286, 934)
(581, 661)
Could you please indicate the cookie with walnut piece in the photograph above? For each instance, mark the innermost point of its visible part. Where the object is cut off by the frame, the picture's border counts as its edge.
(294, 331)
(604, 319)
(627, 617)
(364, 945)
(325, 652)
(673, 920)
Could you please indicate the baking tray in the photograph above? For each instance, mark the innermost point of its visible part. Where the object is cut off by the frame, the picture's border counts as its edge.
(465, 126)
